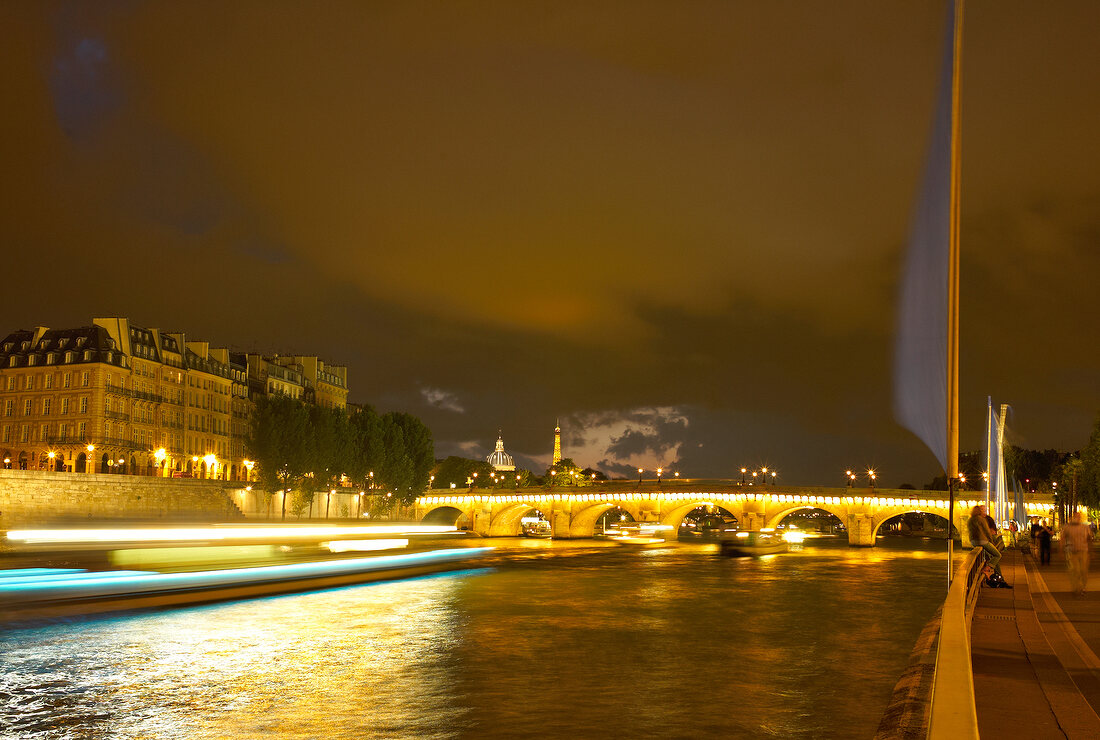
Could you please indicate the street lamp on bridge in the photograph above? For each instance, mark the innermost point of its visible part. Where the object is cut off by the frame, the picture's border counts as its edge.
(765, 472)
(871, 476)
(743, 471)
(850, 477)
(660, 471)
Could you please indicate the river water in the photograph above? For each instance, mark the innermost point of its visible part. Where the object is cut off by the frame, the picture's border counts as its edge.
(556, 640)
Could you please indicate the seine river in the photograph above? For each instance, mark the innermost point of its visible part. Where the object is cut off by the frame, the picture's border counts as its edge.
(557, 640)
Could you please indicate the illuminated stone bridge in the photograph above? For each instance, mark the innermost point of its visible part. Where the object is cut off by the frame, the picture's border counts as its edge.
(573, 512)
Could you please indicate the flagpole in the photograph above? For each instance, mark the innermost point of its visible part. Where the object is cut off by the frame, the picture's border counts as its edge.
(953, 287)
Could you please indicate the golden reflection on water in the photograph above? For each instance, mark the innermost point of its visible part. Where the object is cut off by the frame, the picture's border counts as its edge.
(578, 641)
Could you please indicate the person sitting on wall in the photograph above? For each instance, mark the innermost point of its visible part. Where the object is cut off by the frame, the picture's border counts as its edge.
(981, 536)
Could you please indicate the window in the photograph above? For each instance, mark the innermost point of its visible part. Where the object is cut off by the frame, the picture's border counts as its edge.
(8, 407)
(64, 406)
(46, 406)
(84, 379)
(68, 357)
(7, 433)
(63, 431)
(28, 382)
(45, 432)
(81, 427)
(49, 381)
(84, 405)
(27, 407)
(31, 360)
(107, 405)
(24, 434)
(107, 429)
(50, 358)
(11, 382)
(66, 380)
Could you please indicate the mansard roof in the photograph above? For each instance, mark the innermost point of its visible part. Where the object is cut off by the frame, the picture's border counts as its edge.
(86, 344)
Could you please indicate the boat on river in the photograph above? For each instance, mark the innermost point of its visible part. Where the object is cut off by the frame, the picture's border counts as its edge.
(538, 528)
(32, 593)
(753, 544)
(641, 535)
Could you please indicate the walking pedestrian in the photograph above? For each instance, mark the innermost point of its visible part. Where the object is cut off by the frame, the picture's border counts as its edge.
(1043, 536)
(1075, 543)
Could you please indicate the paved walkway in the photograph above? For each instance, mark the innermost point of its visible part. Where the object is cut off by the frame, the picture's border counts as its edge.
(1034, 650)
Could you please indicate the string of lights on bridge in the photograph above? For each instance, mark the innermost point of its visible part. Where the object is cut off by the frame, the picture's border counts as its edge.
(809, 500)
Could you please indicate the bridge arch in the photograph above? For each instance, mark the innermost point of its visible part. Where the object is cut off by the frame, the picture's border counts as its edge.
(674, 517)
(449, 515)
(583, 522)
(898, 511)
(505, 523)
(775, 517)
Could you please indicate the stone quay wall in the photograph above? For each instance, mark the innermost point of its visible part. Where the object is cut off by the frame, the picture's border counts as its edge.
(30, 498)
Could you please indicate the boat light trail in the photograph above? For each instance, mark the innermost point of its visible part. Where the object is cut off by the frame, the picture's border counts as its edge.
(205, 534)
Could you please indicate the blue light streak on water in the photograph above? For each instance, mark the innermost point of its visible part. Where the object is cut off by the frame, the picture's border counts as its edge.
(80, 577)
(23, 572)
(113, 582)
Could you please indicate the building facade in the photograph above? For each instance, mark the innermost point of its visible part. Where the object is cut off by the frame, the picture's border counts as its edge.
(118, 398)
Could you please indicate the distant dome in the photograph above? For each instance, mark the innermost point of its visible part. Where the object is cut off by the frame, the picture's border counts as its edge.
(501, 460)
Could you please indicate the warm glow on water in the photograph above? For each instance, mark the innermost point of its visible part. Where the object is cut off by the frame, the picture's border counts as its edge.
(573, 641)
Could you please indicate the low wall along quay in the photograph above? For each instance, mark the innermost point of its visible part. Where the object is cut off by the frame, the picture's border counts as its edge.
(32, 497)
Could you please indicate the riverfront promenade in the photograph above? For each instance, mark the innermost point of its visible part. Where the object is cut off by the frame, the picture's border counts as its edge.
(1035, 652)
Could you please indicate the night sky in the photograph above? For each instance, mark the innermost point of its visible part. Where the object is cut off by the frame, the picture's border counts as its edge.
(676, 227)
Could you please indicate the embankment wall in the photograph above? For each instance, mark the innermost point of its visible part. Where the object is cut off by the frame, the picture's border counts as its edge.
(29, 498)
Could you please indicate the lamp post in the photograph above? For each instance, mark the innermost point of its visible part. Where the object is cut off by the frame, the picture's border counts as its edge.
(211, 465)
(848, 477)
(640, 476)
(89, 466)
(248, 465)
(51, 455)
(159, 456)
(773, 477)
(851, 479)
(871, 476)
(743, 471)
(660, 472)
(7, 463)
(553, 477)
(765, 472)
(753, 478)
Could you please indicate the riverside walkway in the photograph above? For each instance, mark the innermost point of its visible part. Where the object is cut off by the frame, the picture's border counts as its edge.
(1035, 652)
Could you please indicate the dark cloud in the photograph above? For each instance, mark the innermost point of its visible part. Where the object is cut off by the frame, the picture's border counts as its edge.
(678, 231)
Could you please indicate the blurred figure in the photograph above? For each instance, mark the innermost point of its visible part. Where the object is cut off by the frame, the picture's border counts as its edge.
(1075, 543)
(982, 536)
(1043, 535)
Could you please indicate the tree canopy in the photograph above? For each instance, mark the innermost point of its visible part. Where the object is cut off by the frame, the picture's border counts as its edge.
(309, 448)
